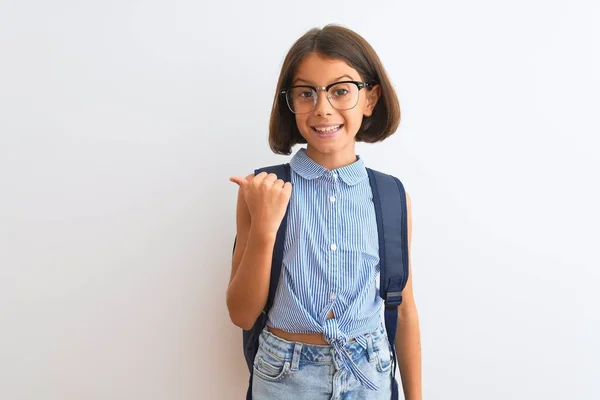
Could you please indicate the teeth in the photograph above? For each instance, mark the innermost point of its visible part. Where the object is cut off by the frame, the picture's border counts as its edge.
(328, 129)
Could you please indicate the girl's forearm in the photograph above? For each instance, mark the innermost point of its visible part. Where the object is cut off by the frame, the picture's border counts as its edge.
(248, 290)
(408, 350)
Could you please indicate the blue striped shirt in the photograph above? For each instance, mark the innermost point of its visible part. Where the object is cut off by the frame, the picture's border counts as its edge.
(331, 257)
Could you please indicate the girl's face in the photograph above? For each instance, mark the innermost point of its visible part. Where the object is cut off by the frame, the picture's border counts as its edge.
(329, 132)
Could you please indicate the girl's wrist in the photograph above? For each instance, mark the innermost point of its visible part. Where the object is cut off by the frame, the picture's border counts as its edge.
(260, 232)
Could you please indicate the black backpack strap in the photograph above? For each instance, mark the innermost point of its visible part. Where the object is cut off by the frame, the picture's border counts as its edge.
(250, 337)
(389, 199)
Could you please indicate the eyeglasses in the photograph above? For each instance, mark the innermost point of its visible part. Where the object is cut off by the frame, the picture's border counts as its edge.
(302, 99)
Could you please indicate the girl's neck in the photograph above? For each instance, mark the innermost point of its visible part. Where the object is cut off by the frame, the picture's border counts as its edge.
(333, 160)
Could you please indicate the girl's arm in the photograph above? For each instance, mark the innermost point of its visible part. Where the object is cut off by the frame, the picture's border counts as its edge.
(408, 337)
(251, 268)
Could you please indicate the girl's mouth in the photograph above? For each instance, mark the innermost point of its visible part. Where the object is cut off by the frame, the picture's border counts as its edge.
(327, 131)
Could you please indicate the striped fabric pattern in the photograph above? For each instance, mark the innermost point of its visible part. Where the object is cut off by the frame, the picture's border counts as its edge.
(331, 257)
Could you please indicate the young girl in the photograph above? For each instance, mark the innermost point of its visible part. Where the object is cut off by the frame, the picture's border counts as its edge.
(324, 337)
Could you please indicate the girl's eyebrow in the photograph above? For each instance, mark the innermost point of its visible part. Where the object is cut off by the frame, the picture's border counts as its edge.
(335, 80)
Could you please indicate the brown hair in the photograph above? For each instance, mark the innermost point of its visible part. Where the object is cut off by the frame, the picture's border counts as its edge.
(334, 41)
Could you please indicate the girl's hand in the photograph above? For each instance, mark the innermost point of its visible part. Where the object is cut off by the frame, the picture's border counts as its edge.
(267, 198)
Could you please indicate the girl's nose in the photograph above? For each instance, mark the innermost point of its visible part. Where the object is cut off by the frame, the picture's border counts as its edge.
(323, 106)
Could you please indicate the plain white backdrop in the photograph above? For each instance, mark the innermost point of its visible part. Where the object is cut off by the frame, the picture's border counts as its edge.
(121, 121)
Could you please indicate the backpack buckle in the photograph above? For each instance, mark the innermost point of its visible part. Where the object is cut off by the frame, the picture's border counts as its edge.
(393, 295)
(393, 299)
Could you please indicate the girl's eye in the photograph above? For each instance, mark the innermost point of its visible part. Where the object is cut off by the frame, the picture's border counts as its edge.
(307, 94)
(340, 90)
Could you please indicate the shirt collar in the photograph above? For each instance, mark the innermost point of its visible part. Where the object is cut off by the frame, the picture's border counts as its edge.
(304, 166)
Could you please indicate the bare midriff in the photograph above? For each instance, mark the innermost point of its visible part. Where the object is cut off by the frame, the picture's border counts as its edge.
(307, 338)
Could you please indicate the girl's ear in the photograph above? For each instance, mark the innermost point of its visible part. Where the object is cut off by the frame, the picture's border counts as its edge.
(372, 96)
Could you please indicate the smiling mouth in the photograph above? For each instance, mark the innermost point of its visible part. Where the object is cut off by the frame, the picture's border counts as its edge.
(327, 130)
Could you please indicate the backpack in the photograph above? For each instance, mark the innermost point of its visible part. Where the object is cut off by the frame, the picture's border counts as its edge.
(389, 199)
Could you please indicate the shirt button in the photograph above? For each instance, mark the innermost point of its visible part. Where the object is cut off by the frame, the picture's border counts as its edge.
(334, 175)
(332, 199)
(333, 247)
(332, 296)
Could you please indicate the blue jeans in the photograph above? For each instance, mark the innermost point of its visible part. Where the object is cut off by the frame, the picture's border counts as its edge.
(296, 371)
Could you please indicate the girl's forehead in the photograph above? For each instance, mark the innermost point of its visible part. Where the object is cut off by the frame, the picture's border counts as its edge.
(321, 70)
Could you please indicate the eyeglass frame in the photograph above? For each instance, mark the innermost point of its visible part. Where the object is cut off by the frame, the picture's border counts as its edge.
(360, 85)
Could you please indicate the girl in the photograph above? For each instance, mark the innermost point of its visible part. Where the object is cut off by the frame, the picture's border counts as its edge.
(324, 337)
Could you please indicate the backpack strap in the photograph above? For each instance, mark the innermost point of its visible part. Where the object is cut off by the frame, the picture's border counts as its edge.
(389, 198)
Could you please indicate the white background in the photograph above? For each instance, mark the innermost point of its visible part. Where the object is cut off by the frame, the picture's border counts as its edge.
(121, 121)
